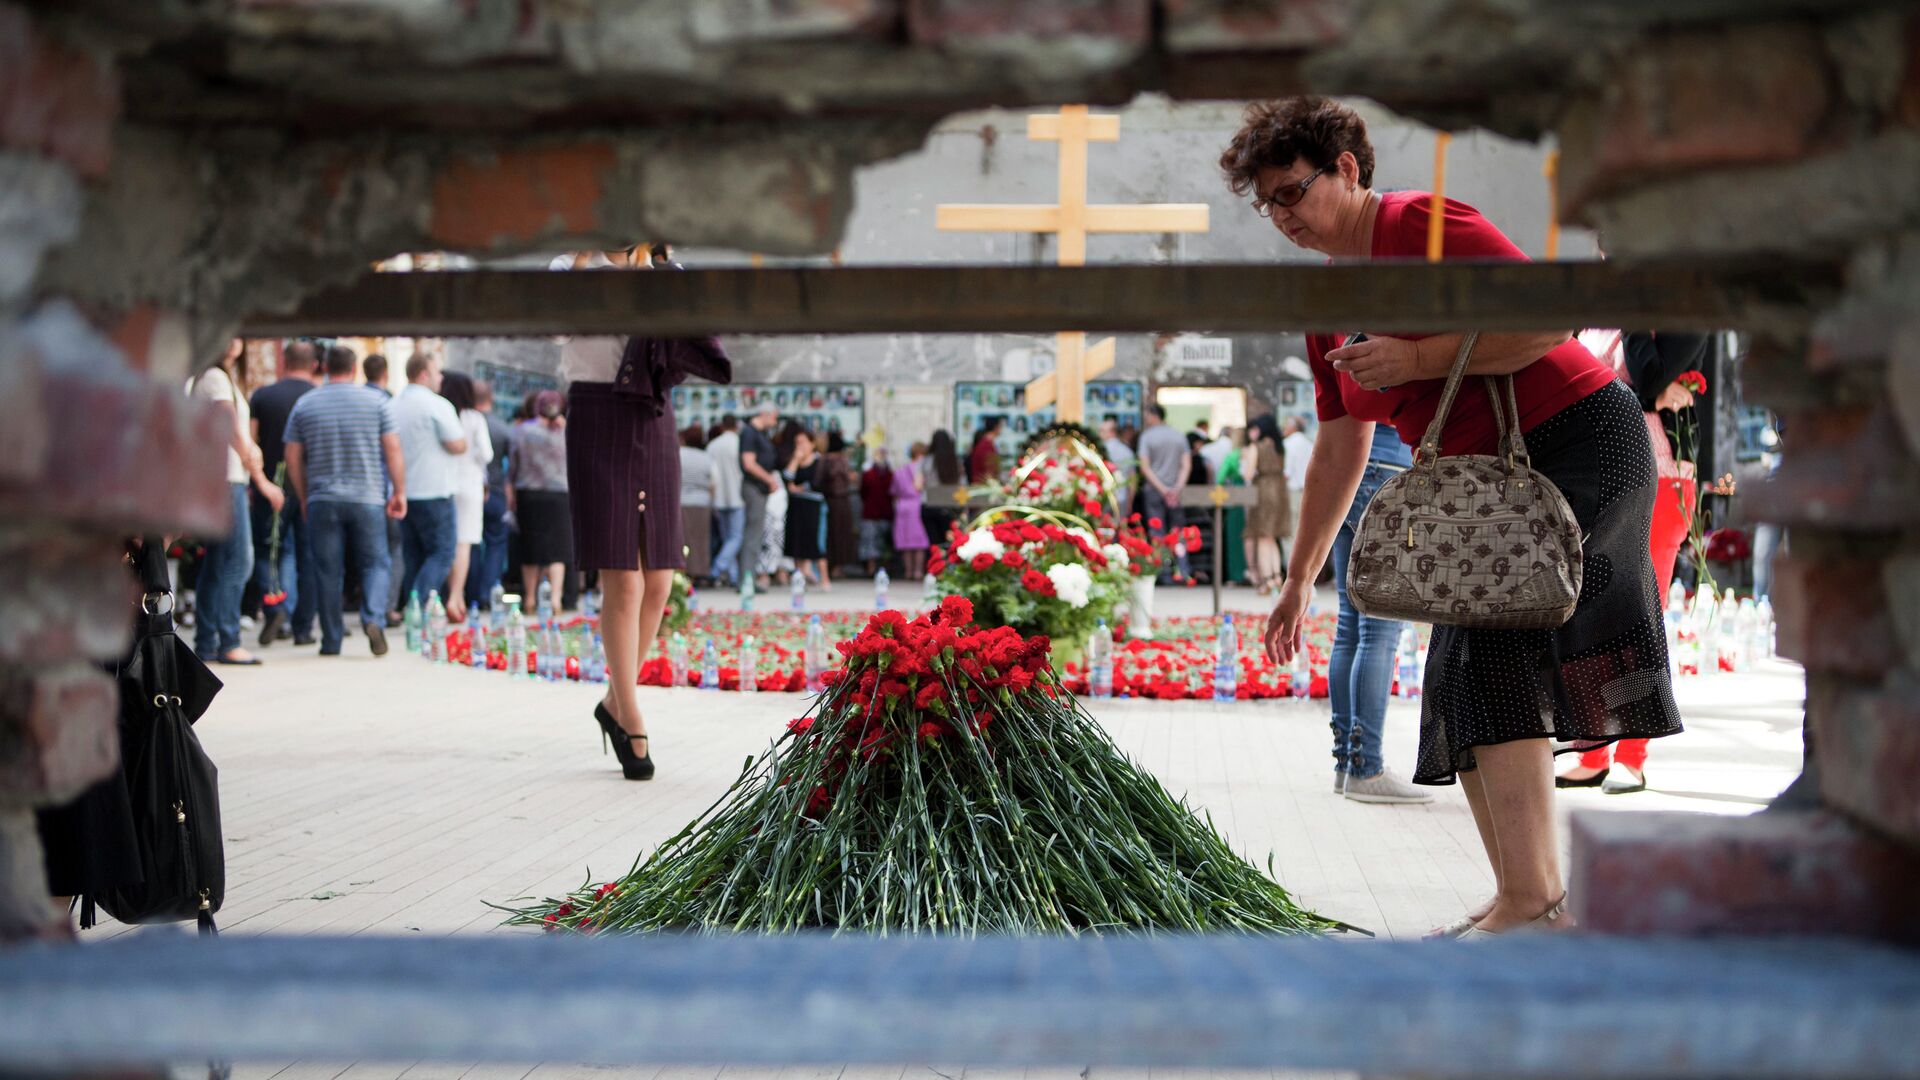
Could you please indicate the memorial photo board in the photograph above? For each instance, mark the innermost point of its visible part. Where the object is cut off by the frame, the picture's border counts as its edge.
(974, 400)
(821, 406)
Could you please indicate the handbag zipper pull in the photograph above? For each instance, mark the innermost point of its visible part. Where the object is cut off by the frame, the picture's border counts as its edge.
(179, 813)
(1409, 534)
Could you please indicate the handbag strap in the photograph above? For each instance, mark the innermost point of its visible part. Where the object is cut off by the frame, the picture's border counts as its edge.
(1428, 451)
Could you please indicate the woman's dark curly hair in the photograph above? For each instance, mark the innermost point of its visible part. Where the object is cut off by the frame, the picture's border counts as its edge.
(1274, 134)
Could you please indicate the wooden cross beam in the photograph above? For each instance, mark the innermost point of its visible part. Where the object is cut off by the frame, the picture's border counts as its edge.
(1071, 219)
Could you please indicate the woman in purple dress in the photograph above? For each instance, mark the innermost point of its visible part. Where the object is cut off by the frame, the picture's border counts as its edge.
(623, 480)
(909, 534)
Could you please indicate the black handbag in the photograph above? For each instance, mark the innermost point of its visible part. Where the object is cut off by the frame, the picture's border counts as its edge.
(173, 785)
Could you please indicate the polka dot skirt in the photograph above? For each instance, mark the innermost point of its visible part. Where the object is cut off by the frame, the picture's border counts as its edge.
(1602, 676)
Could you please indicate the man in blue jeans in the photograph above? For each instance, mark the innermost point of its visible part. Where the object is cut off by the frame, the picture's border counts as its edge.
(431, 441)
(292, 573)
(342, 448)
(1360, 670)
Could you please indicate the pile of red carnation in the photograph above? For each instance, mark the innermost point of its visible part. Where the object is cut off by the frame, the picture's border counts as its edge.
(944, 782)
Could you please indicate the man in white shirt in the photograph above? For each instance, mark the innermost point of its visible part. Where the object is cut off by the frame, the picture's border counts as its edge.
(431, 441)
(1297, 445)
(1215, 452)
(729, 508)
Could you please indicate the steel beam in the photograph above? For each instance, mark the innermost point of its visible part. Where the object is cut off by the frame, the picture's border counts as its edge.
(1517, 1007)
(1380, 297)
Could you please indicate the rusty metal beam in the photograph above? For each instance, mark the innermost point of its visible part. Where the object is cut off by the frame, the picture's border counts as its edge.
(1381, 297)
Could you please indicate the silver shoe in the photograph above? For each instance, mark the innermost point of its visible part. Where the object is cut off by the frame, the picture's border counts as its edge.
(1543, 921)
(1454, 929)
(1385, 787)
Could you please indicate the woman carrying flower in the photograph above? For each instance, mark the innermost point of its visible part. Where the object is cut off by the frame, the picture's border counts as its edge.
(1664, 371)
(1492, 698)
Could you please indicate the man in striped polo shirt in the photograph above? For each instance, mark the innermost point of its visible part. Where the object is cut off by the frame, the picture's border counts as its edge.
(342, 448)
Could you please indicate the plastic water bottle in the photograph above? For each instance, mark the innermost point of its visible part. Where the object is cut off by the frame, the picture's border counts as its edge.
(1406, 661)
(799, 591)
(746, 591)
(1226, 661)
(415, 621)
(553, 652)
(476, 641)
(709, 667)
(1763, 629)
(814, 657)
(1100, 661)
(590, 604)
(516, 639)
(436, 645)
(1726, 630)
(1300, 675)
(749, 664)
(677, 658)
(544, 608)
(497, 603)
(1744, 618)
(880, 584)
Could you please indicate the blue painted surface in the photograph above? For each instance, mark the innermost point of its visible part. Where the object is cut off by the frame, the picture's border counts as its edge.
(1755, 1008)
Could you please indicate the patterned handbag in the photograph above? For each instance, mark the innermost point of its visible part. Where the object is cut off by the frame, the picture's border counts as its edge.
(1470, 540)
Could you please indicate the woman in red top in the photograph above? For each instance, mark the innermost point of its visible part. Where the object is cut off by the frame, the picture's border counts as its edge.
(1492, 698)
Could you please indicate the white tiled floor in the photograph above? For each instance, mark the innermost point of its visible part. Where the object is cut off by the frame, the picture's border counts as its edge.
(396, 796)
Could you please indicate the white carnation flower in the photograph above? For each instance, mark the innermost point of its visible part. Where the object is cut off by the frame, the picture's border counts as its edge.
(1072, 582)
(1115, 554)
(981, 542)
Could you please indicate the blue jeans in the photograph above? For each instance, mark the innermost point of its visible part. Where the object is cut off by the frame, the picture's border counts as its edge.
(489, 559)
(1360, 670)
(295, 565)
(223, 578)
(336, 528)
(1172, 518)
(727, 526)
(426, 537)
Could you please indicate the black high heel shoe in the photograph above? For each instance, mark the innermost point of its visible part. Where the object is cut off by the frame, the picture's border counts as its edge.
(632, 766)
(1595, 780)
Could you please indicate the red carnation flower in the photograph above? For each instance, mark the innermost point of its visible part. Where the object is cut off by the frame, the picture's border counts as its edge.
(1036, 582)
(982, 562)
(1014, 558)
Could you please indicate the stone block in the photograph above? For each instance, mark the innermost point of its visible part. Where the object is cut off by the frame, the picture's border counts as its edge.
(66, 595)
(39, 209)
(1770, 873)
(1832, 614)
(1241, 25)
(513, 196)
(58, 732)
(1867, 747)
(734, 22)
(1077, 35)
(1697, 100)
(1845, 469)
(55, 99)
(94, 445)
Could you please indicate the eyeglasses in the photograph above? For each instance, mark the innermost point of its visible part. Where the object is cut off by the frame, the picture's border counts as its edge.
(1286, 194)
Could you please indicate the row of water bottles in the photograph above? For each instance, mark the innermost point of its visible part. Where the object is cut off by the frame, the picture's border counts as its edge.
(545, 656)
(1710, 633)
(797, 591)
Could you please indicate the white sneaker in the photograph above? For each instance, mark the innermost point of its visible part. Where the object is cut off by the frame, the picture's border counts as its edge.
(1386, 787)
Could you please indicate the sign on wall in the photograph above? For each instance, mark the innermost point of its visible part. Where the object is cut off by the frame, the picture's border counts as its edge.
(821, 406)
(974, 401)
(1193, 353)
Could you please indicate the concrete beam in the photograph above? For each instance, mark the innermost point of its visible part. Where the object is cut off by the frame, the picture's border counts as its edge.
(1510, 1008)
(1383, 297)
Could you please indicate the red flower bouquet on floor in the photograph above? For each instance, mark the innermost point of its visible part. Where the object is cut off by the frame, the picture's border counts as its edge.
(943, 783)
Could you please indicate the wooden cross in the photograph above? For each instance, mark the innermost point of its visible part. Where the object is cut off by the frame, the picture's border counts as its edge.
(1071, 219)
